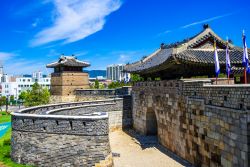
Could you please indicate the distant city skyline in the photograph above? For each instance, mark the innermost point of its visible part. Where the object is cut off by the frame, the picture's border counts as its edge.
(34, 33)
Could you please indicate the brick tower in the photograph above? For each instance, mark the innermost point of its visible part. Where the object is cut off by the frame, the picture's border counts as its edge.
(68, 75)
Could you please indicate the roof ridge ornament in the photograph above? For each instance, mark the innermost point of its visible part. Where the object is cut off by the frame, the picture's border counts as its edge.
(206, 26)
(162, 45)
(62, 56)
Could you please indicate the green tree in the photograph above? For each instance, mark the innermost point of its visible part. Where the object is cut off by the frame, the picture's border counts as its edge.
(2, 101)
(114, 85)
(136, 78)
(111, 85)
(101, 86)
(23, 95)
(36, 96)
(97, 84)
(12, 98)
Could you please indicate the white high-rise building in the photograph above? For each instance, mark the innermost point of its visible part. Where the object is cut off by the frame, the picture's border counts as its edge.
(115, 72)
(1, 71)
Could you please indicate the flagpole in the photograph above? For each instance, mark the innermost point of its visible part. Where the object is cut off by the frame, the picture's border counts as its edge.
(217, 65)
(245, 57)
(245, 75)
(227, 70)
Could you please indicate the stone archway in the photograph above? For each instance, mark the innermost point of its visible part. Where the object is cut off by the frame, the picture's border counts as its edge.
(151, 122)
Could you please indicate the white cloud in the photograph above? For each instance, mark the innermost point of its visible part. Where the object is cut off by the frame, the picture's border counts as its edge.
(196, 23)
(21, 66)
(207, 20)
(13, 63)
(164, 33)
(81, 53)
(53, 53)
(76, 19)
(124, 57)
(117, 57)
(6, 56)
(36, 22)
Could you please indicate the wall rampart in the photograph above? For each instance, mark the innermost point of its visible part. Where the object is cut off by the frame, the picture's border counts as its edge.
(66, 134)
(205, 124)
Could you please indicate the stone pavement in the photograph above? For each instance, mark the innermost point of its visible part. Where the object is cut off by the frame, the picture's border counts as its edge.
(133, 150)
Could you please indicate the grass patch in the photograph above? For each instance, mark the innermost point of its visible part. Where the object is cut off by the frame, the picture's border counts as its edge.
(5, 117)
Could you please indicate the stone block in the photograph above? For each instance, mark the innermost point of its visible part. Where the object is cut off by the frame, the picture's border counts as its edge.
(225, 162)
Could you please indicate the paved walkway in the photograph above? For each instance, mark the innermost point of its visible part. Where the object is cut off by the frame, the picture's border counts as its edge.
(132, 150)
(12, 108)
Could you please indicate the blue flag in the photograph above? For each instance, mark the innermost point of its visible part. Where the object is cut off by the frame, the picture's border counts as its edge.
(228, 65)
(216, 61)
(245, 60)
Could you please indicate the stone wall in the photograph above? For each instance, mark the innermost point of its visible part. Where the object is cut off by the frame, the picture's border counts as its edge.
(66, 134)
(112, 106)
(126, 114)
(100, 94)
(59, 141)
(203, 123)
(119, 112)
(94, 94)
(83, 94)
(62, 99)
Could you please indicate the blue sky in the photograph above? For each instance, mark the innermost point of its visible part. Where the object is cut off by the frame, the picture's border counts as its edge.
(35, 32)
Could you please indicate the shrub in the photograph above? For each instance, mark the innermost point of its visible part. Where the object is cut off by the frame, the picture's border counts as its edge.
(6, 154)
(6, 142)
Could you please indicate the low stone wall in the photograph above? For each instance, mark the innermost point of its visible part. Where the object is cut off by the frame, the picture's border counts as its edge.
(67, 134)
(100, 94)
(91, 94)
(206, 124)
(62, 99)
(94, 94)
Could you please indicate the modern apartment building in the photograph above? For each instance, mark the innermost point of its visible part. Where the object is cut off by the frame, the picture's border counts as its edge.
(15, 85)
(115, 72)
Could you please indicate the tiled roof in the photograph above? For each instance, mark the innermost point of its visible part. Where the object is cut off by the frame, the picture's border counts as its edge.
(69, 61)
(207, 56)
(195, 51)
(237, 70)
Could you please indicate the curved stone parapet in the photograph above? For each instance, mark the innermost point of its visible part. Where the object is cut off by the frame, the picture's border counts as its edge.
(66, 134)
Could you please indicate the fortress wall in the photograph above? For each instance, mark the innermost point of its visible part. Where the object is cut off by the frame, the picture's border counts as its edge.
(119, 112)
(84, 94)
(205, 124)
(100, 94)
(67, 134)
(42, 141)
(45, 149)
